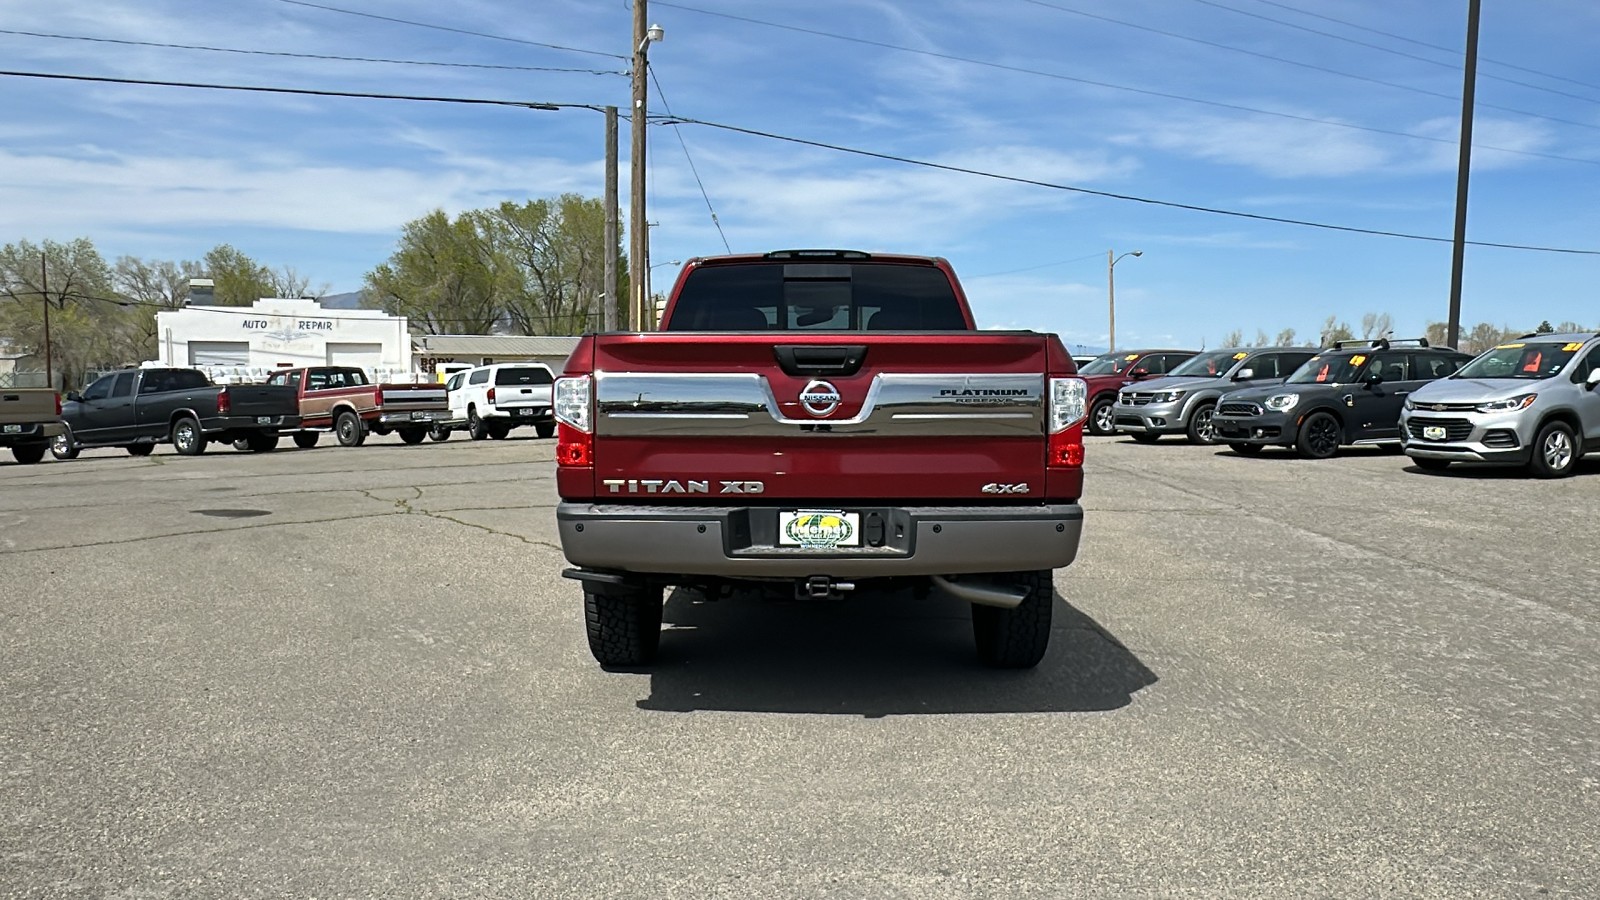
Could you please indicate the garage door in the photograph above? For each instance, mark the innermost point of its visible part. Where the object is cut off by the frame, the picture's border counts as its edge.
(219, 353)
(367, 356)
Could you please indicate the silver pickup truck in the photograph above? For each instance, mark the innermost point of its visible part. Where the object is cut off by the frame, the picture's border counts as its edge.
(30, 418)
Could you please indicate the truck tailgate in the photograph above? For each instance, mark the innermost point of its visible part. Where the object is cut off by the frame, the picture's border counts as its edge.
(263, 400)
(412, 396)
(820, 416)
(27, 406)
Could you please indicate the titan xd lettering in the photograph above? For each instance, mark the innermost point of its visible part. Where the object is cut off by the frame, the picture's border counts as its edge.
(674, 486)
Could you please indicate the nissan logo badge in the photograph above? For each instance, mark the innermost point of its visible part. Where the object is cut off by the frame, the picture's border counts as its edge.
(819, 398)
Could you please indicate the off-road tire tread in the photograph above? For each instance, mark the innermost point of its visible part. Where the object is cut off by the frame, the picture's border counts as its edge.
(624, 624)
(1016, 638)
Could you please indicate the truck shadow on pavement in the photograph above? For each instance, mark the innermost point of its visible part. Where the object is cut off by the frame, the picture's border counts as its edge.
(875, 654)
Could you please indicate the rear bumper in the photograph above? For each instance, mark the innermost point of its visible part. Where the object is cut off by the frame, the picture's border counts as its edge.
(740, 542)
(519, 415)
(31, 433)
(395, 419)
(242, 424)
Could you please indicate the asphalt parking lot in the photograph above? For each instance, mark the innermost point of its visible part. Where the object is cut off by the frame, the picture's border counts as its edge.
(357, 673)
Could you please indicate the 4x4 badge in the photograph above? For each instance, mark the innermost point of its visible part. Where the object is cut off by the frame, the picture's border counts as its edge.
(819, 398)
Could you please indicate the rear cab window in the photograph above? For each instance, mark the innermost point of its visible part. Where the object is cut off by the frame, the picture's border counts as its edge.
(785, 295)
(523, 375)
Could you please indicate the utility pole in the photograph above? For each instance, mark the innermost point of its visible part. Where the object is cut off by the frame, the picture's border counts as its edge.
(1463, 172)
(44, 295)
(638, 234)
(1111, 292)
(608, 317)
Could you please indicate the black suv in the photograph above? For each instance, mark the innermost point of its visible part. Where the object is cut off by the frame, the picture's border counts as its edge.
(1349, 394)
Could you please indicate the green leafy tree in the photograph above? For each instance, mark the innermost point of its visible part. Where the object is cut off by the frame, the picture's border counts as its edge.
(445, 277)
(239, 280)
(558, 248)
(86, 319)
(1545, 328)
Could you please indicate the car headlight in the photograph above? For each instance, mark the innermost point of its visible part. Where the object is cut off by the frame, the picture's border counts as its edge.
(1508, 405)
(1409, 406)
(1166, 396)
(1282, 402)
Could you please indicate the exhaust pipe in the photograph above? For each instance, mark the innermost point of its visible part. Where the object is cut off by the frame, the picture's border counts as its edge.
(1005, 597)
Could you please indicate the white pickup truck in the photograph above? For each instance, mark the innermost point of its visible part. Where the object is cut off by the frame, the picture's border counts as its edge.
(489, 401)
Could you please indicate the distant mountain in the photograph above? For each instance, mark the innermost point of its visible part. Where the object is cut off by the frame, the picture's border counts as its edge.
(350, 300)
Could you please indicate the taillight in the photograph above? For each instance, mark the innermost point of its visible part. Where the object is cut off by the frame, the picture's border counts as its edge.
(1069, 406)
(377, 396)
(490, 395)
(572, 399)
(58, 404)
(224, 402)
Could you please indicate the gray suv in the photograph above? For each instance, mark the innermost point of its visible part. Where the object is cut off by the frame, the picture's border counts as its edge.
(1184, 400)
(1532, 402)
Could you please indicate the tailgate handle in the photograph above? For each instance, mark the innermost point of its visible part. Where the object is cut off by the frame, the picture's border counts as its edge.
(809, 359)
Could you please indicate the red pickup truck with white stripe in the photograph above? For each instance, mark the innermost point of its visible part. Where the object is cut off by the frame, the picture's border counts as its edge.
(831, 420)
(341, 399)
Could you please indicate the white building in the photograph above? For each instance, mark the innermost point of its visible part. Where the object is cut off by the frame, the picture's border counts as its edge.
(284, 332)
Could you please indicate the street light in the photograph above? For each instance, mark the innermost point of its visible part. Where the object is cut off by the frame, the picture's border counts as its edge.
(638, 234)
(1111, 291)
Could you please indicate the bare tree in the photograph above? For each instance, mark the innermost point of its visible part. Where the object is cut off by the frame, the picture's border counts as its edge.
(1234, 338)
(1335, 330)
(1285, 338)
(1376, 325)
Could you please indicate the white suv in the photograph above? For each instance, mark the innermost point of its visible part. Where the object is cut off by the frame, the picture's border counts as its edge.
(491, 400)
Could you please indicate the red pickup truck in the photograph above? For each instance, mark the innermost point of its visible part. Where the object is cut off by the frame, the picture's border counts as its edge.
(828, 419)
(341, 399)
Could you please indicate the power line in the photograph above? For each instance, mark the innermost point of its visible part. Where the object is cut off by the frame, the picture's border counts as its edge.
(1117, 87)
(1400, 53)
(1170, 204)
(681, 142)
(282, 53)
(1048, 265)
(257, 313)
(482, 34)
(1454, 51)
(362, 95)
(1311, 66)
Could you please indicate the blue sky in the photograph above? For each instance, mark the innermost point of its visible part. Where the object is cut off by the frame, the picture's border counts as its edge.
(1343, 112)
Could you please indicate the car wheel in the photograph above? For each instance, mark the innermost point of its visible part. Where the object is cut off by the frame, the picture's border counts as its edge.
(1247, 449)
(1555, 451)
(1201, 431)
(545, 429)
(305, 440)
(1431, 465)
(1319, 436)
(438, 434)
(261, 443)
(187, 438)
(498, 430)
(1016, 638)
(141, 449)
(241, 445)
(347, 426)
(1144, 437)
(623, 623)
(64, 447)
(28, 454)
(476, 428)
(1102, 418)
(413, 435)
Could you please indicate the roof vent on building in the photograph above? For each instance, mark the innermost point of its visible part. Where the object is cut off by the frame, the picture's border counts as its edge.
(201, 292)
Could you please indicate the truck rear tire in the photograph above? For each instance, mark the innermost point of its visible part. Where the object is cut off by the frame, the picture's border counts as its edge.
(413, 435)
(305, 440)
(476, 428)
(187, 438)
(438, 434)
(498, 430)
(141, 449)
(624, 623)
(545, 429)
(1016, 638)
(64, 447)
(261, 443)
(347, 425)
(28, 454)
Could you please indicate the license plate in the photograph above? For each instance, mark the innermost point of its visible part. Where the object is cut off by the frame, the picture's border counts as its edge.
(263, 420)
(522, 412)
(1433, 433)
(13, 429)
(421, 415)
(819, 529)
